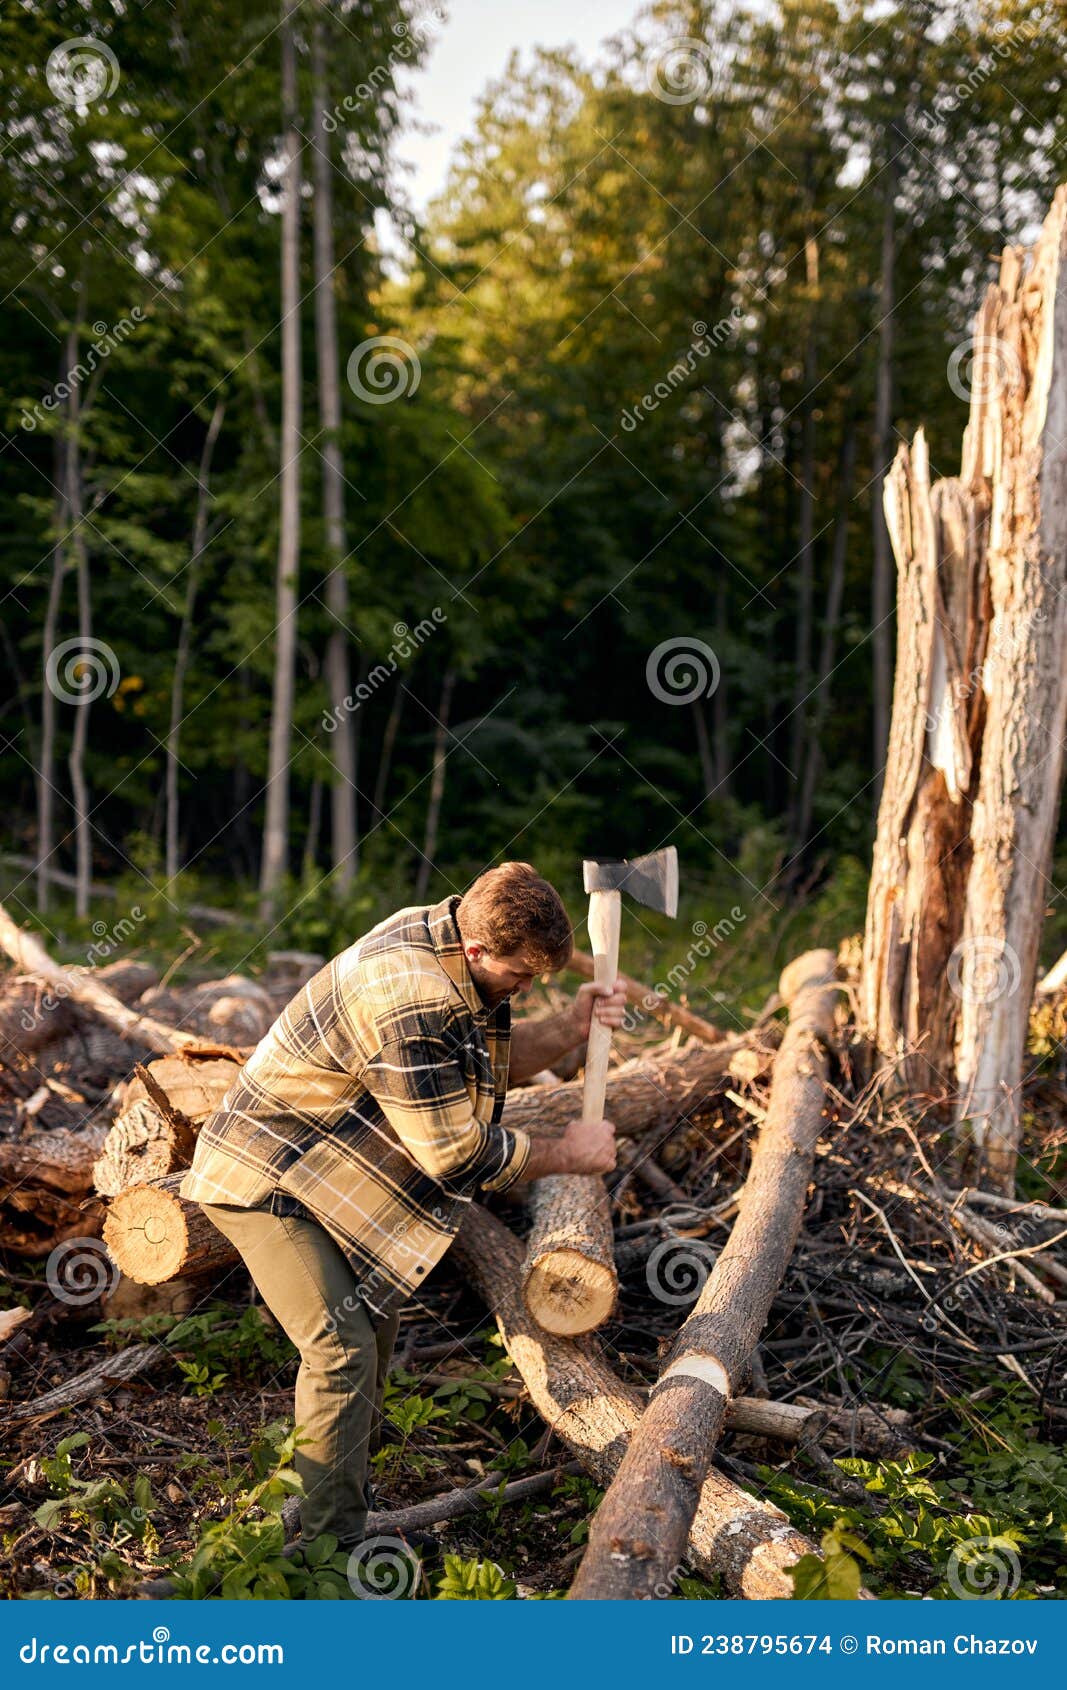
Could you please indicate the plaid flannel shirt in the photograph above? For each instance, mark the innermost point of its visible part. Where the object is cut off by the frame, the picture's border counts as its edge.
(374, 1104)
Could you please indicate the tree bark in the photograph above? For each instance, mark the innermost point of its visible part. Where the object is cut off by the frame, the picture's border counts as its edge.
(750, 1543)
(973, 778)
(569, 1278)
(881, 581)
(276, 824)
(185, 635)
(342, 740)
(153, 1234)
(639, 1534)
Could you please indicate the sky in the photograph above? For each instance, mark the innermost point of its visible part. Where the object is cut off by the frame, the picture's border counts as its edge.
(470, 49)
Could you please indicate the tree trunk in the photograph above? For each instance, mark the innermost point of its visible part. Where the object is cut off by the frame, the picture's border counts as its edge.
(185, 634)
(46, 762)
(83, 850)
(881, 581)
(342, 740)
(154, 1235)
(750, 1543)
(806, 551)
(385, 758)
(437, 789)
(834, 600)
(968, 815)
(569, 1275)
(639, 1534)
(276, 824)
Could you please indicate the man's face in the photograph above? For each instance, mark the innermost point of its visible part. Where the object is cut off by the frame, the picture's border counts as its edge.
(499, 977)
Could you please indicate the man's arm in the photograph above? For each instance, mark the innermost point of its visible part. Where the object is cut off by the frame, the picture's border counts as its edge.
(585, 1147)
(538, 1044)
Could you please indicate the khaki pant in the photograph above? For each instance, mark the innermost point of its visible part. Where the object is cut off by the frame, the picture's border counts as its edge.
(308, 1285)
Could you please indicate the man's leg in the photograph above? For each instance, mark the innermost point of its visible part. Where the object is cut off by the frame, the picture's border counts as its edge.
(309, 1286)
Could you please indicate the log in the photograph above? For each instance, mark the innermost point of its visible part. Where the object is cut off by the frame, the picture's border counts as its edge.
(96, 1381)
(165, 1105)
(594, 1413)
(30, 955)
(153, 1234)
(60, 1159)
(647, 1092)
(653, 1002)
(569, 1278)
(640, 1530)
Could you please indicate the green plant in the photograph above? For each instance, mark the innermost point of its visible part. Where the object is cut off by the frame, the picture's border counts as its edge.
(104, 1502)
(473, 1581)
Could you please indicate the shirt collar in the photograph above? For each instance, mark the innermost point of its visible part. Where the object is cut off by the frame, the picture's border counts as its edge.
(448, 947)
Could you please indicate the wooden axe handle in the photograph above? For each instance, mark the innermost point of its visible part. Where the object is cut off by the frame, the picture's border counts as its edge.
(605, 911)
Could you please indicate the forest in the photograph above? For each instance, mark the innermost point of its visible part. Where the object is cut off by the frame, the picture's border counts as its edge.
(351, 547)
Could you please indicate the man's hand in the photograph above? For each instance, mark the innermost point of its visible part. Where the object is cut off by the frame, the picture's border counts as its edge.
(607, 1003)
(590, 1146)
(584, 1147)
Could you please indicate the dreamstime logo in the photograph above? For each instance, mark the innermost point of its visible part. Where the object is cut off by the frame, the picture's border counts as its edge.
(82, 71)
(984, 1569)
(107, 338)
(382, 1569)
(680, 72)
(982, 969)
(702, 345)
(105, 943)
(90, 670)
(410, 34)
(677, 1270)
(384, 368)
(982, 367)
(406, 642)
(705, 940)
(681, 670)
(79, 1271)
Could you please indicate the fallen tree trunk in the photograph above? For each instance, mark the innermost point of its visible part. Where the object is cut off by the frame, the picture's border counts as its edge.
(153, 1234)
(654, 1091)
(59, 1159)
(31, 956)
(569, 1277)
(653, 1002)
(639, 1533)
(750, 1543)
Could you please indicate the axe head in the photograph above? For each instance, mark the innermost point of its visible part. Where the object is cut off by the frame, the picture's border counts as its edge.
(652, 880)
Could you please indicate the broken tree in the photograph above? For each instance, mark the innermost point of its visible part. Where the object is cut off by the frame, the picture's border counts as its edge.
(975, 758)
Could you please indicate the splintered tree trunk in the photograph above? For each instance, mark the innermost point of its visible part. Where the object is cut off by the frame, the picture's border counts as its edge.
(153, 1234)
(638, 1536)
(276, 823)
(750, 1543)
(968, 814)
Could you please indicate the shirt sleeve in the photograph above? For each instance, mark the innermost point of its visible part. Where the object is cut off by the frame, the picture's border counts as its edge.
(419, 1087)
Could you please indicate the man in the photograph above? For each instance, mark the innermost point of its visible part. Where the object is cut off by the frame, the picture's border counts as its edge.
(341, 1160)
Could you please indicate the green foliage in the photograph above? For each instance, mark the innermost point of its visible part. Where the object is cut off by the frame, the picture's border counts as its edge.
(835, 1576)
(994, 1524)
(102, 1502)
(240, 1556)
(211, 1349)
(473, 1581)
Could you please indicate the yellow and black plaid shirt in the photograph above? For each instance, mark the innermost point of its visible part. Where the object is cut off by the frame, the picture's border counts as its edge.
(374, 1102)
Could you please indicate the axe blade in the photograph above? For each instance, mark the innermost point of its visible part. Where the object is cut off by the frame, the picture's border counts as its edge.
(652, 879)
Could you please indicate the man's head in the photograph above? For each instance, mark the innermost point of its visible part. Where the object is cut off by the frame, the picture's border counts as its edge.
(514, 927)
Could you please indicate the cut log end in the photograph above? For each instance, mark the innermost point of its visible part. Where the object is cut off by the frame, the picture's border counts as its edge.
(146, 1232)
(568, 1293)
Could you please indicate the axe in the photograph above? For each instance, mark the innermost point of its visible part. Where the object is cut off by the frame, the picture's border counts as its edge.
(653, 881)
